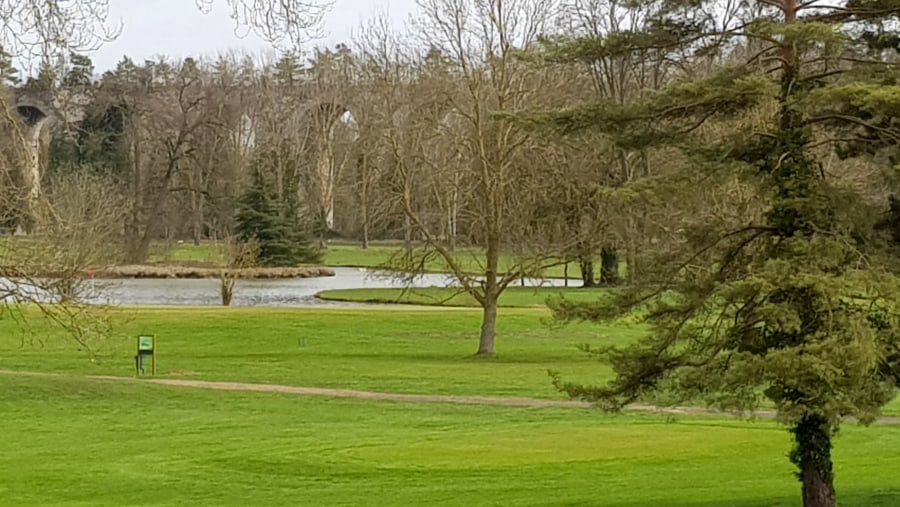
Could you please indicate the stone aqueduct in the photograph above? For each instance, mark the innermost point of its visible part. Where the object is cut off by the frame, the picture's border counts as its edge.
(40, 111)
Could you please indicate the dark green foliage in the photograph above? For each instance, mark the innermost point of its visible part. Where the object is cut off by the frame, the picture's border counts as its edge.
(99, 142)
(44, 81)
(890, 223)
(281, 241)
(288, 70)
(609, 266)
(667, 116)
(80, 71)
(797, 311)
(9, 74)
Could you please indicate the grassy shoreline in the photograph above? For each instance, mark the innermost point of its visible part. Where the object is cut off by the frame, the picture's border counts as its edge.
(194, 272)
(513, 297)
(344, 254)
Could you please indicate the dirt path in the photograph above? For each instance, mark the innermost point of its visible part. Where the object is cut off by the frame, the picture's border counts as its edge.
(503, 401)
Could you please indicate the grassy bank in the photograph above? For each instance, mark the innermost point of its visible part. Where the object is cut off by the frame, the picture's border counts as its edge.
(339, 255)
(142, 271)
(209, 254)
(70, 442)
(513, 297)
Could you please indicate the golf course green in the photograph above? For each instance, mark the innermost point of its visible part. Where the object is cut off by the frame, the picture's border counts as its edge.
(72, 439)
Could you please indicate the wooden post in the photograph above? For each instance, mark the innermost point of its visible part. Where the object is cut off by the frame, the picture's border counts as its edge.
(143, 351)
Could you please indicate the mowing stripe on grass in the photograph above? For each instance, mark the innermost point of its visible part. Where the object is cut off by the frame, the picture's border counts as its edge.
(504, 401)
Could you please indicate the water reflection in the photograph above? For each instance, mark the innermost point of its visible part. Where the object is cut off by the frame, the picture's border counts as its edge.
(280, 292)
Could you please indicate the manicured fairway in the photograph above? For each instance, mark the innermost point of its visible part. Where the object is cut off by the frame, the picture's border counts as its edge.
(74, 442)
(407, 350)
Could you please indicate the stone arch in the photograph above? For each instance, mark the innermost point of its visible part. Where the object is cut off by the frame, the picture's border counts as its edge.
(36, 113)
(323, 117)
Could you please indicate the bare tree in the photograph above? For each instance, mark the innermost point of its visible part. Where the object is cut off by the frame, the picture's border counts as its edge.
(46, 271)
(482, 38)
(239, 255)
(38, 32)
(289, 23)
(52, 271)
(166, 114)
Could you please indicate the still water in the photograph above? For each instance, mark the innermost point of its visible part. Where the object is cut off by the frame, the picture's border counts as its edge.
(279, 292)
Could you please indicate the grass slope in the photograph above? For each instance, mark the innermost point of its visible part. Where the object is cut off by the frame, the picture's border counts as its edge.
(72, 443)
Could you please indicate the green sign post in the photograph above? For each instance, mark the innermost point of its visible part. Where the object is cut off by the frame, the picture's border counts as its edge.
(146, 348)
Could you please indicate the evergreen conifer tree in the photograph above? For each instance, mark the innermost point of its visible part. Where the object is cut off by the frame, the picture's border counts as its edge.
(9, 75)
(281, 240)
(795, 310)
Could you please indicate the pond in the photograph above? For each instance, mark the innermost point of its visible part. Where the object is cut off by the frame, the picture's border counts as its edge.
(290, 292)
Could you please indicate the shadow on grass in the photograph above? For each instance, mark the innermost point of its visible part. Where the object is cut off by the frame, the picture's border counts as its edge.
(848, 498)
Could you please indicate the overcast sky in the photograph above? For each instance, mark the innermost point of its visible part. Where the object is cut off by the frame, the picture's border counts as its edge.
(177, 29)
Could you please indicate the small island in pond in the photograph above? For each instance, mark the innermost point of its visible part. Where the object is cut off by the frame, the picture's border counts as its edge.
(175, 271)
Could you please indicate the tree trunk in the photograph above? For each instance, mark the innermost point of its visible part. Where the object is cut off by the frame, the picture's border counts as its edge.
(138, 250)
(452, 242)
(227, 291)
(488, 327)
(197, 225)
(364, 197)
(365, 235)
(609, 266)
(133, 239)
(587, 272)
(491, 297)
(812, 455)
(407, 233)
(632, 267)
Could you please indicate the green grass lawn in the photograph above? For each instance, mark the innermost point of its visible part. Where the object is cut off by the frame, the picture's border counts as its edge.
(340, 255)
(352, 255)
(76, 442)
(411, 350)
(469, 259)
(415, 350)
(206, 252)
(513, 297)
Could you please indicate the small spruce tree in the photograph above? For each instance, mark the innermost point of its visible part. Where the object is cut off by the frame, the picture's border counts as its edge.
(282, 241)
(9, 75)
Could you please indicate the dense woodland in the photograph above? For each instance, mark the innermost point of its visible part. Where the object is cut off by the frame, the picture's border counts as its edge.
(736, 161)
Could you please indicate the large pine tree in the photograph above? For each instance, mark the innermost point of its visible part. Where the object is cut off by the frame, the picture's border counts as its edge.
(793, 309)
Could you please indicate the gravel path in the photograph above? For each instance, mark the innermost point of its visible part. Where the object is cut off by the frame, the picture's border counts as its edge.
(503, 401)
